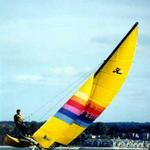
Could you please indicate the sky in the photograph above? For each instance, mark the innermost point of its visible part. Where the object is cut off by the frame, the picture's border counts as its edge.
(49, 48)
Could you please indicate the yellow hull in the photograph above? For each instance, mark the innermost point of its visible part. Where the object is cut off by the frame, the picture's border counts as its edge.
(12, 141)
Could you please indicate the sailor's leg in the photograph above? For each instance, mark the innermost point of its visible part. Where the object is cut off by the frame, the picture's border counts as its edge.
(22, 129)
(25, 130)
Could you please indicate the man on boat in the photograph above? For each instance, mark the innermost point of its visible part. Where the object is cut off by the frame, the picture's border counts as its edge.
(18, 119)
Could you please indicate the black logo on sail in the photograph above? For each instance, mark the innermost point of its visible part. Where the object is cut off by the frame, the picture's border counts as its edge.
(117, 71)
(46, 138)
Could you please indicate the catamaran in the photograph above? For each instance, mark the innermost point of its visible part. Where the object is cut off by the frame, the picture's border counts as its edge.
(88, 102)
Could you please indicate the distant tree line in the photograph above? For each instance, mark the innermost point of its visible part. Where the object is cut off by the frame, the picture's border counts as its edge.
(103, 130)
(123, 130)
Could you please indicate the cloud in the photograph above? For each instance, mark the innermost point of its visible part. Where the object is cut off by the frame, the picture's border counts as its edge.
(54, 76)
(28, 77)
(68, 71)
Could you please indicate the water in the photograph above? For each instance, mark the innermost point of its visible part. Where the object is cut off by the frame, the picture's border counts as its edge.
(12, 148)
(73, 148)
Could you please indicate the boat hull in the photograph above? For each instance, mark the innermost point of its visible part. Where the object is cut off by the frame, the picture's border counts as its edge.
(12, 141)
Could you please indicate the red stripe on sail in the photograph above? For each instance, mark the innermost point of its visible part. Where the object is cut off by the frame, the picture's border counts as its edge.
(94, 109)
(75, 104)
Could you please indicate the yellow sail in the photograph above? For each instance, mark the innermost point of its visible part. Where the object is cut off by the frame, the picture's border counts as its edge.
(111, 75)
(107, 81)
(92, 98)
(54, 128)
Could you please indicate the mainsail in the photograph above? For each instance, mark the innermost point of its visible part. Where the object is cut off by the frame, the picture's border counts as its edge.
(107, 82)
(92, 98)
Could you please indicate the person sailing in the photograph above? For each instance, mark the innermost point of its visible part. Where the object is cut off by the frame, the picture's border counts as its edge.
(18, 119)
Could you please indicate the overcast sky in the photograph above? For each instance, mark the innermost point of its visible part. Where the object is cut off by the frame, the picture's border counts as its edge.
(48, 48)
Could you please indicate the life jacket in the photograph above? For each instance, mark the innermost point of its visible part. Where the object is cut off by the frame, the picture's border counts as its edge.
(18, 119)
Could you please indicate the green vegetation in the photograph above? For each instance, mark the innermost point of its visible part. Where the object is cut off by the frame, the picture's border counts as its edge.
(104, 130)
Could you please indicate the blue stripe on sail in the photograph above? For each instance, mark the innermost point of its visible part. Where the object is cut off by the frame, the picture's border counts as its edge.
(64, 117)
(68, 113)
(81, 123)
(84, 119)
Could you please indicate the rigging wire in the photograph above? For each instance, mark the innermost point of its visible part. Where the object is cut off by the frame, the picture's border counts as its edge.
(64, 97)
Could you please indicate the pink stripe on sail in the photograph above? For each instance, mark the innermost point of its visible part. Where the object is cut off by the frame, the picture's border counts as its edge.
(72, 109)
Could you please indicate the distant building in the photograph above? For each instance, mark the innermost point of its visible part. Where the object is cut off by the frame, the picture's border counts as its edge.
(122, 143)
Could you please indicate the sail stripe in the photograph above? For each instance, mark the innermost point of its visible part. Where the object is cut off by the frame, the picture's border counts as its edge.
(94, 109)
(75, 104)
(72, 109)
(82, 123)
(82, 95)
(85, 119)
(64, 118)
(79, 100)
(95, 106)
(67, 113)
(93, 112)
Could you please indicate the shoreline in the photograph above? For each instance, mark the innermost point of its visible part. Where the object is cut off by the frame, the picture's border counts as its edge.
(79, 148)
